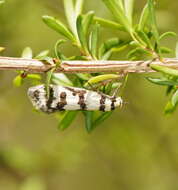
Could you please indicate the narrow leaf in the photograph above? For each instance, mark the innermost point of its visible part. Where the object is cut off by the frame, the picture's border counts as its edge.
(34, 76)
(83, 76)
(81, 34)
(18, 81)
(101, 78)
(107, 55)
(153, 22)
(163, 82)
(59, 27)
(88, 120)
(144, 18)
(166, 34)
(78, 7)
(169, 90)
(169, 108)
(27, 53)
(120, 3)
(61, 79)
(111, 46)
(107, 45)
(118, 12)
(101, 118)
(145, 38)
(42, 54)
(58, 54)
(129, 9)
(71, 16)
(48, 81)
(109, 24)
(87, 21)
(165, 70)
(67, 119)
(94, 41)
(174, 99)
(78, 57)
(165, 50)
(136, 51)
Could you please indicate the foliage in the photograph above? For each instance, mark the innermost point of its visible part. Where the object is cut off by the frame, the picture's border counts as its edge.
(82, 31)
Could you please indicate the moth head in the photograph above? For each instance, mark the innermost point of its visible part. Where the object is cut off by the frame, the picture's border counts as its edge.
(37, 95)
(119, 102)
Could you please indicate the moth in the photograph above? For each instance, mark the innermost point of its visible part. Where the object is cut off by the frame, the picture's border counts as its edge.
(71, 98)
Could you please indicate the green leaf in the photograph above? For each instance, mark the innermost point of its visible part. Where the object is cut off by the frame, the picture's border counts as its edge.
(169, 90)
(107, 45)
(120, 3)
(166, 34)
(164, 70)
(102, 118)
(27, 53)
(61, 79)
(101, 78)
(59, 27)
(87, 21)
(78, 57)
(88, 120)
(116, 9)
(34, 76)
(83, 76)
(174, 99)
(48, 60)
(129, 9)
(169, 108)
(71, 15)
(109, 24)
(67, 119)
(134, 44)
(42, 55)
(163, 81)
(81, 34)
(144, 18)
(58, 54)
(94, 40)
(48, 81)
(136, 51)
(78, 7)
(18, 81)
(165, 50)
(110, 46)
(107, 55)
(145, 38)
(153, 23)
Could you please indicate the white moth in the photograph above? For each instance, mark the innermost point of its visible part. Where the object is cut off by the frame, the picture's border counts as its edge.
(71, 98)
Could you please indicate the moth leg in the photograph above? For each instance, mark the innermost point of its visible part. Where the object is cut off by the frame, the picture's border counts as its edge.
(122, 75)
(116, 91)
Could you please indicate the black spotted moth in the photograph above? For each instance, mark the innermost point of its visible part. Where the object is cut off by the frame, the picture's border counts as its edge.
(71, 98)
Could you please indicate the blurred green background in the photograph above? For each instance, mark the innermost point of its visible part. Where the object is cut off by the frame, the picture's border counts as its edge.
(135, 149)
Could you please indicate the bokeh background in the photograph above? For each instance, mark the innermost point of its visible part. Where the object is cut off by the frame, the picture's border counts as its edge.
(135, 149)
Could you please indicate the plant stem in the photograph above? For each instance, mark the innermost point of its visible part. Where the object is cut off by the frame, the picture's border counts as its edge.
(36, 66)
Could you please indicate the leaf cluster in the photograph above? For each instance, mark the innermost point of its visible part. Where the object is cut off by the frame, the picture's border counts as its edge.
(83, 31)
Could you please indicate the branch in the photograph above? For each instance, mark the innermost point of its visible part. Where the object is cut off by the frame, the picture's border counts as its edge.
(36, 66)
